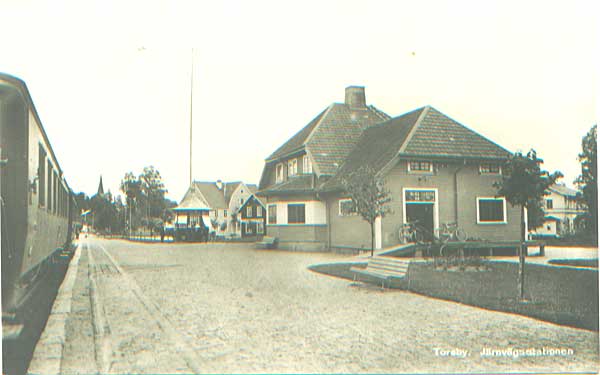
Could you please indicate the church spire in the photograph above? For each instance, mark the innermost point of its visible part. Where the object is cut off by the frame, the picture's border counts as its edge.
(100, 188)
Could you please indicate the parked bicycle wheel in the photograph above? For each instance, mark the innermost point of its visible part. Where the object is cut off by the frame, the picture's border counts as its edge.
(460, 235)
(404, 235)
(418, 236)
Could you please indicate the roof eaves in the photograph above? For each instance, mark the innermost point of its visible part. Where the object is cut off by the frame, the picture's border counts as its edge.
(453, 157)
(287, 154)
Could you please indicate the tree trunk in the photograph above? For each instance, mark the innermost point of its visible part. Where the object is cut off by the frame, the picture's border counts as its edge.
(372, 238)
(521, 283)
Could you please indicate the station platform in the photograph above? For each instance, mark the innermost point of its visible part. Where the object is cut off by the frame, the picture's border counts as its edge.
(97, 316)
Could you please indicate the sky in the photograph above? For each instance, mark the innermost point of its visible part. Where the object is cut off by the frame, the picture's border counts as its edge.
(111, 80)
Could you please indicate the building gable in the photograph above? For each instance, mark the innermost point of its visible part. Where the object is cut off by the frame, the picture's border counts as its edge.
(328, 138)
(439, 135)
(422, 133)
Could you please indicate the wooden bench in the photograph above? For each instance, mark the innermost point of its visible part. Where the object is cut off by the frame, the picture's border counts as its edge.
(267, 243)
(383, 268)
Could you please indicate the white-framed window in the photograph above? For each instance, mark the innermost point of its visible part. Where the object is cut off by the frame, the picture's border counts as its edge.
(490, 168)
(491, 210)
(258, 211)
(279, 173)
(296, 213)
(248, 228)
(260, 229)
(306, 165)
(272, 217)
(420, 166)
(249, 211)
(293, 167)
(549, 204)
(346, 207)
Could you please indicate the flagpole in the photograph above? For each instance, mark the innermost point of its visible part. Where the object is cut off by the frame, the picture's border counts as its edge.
(191, 112)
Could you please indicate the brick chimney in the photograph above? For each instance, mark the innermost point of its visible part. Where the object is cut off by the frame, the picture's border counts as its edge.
(355, 97)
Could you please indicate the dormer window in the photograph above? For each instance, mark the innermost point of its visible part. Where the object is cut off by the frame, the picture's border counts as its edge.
(306, 165)
(293, 167)
(279, 173)
(420, 166)
(489, 168)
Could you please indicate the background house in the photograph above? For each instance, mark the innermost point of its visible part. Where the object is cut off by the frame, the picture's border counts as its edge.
(253, 217)
(218, 202)
(561, 208)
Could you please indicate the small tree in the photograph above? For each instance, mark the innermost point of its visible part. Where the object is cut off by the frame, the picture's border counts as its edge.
(366, 189)
(588, 182)
(524, 184)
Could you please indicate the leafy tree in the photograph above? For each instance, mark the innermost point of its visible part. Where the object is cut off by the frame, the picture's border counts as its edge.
(524, 184)
(153, 190)
(131, 186)
(366, 189)
(588, 182)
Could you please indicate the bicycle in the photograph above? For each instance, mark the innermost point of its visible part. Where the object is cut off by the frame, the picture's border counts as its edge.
(410, 232)
(451, 232)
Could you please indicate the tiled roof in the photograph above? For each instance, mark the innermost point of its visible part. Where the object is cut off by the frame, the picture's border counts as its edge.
(211, 194)
(439, 135)
(301, 183)
(563, 190)
(193, 200)
(206, 195)
(253, 188)
(298, 140)
(337, 134)
(423, 132)
(331, 135)
(229, 188)
(377, 146)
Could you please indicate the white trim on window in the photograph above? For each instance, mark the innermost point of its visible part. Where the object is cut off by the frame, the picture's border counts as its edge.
(340, 213)
(487, 169)
(269, 214)
(248, 211)
(279, 173)
(504, 219)
(410, 170)
(306, 165)
(303, 216)
(293, 167)
(259, 211)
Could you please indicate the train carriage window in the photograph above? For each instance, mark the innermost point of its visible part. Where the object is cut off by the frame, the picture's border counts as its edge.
(50, 195)
(65, 202)
(41, 176)
(56, 202)
(60, 199)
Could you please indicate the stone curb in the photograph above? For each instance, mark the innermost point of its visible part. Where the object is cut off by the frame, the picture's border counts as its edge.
(47, 356)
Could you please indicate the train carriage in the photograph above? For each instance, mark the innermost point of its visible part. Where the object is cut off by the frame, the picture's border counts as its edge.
(37, 203)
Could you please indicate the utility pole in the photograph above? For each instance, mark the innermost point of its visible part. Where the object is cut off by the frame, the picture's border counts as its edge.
(191, 112)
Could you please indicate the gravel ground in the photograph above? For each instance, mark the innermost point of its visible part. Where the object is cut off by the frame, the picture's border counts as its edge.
(229, 308)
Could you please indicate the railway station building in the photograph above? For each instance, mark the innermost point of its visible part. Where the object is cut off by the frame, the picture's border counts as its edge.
(435, 169)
